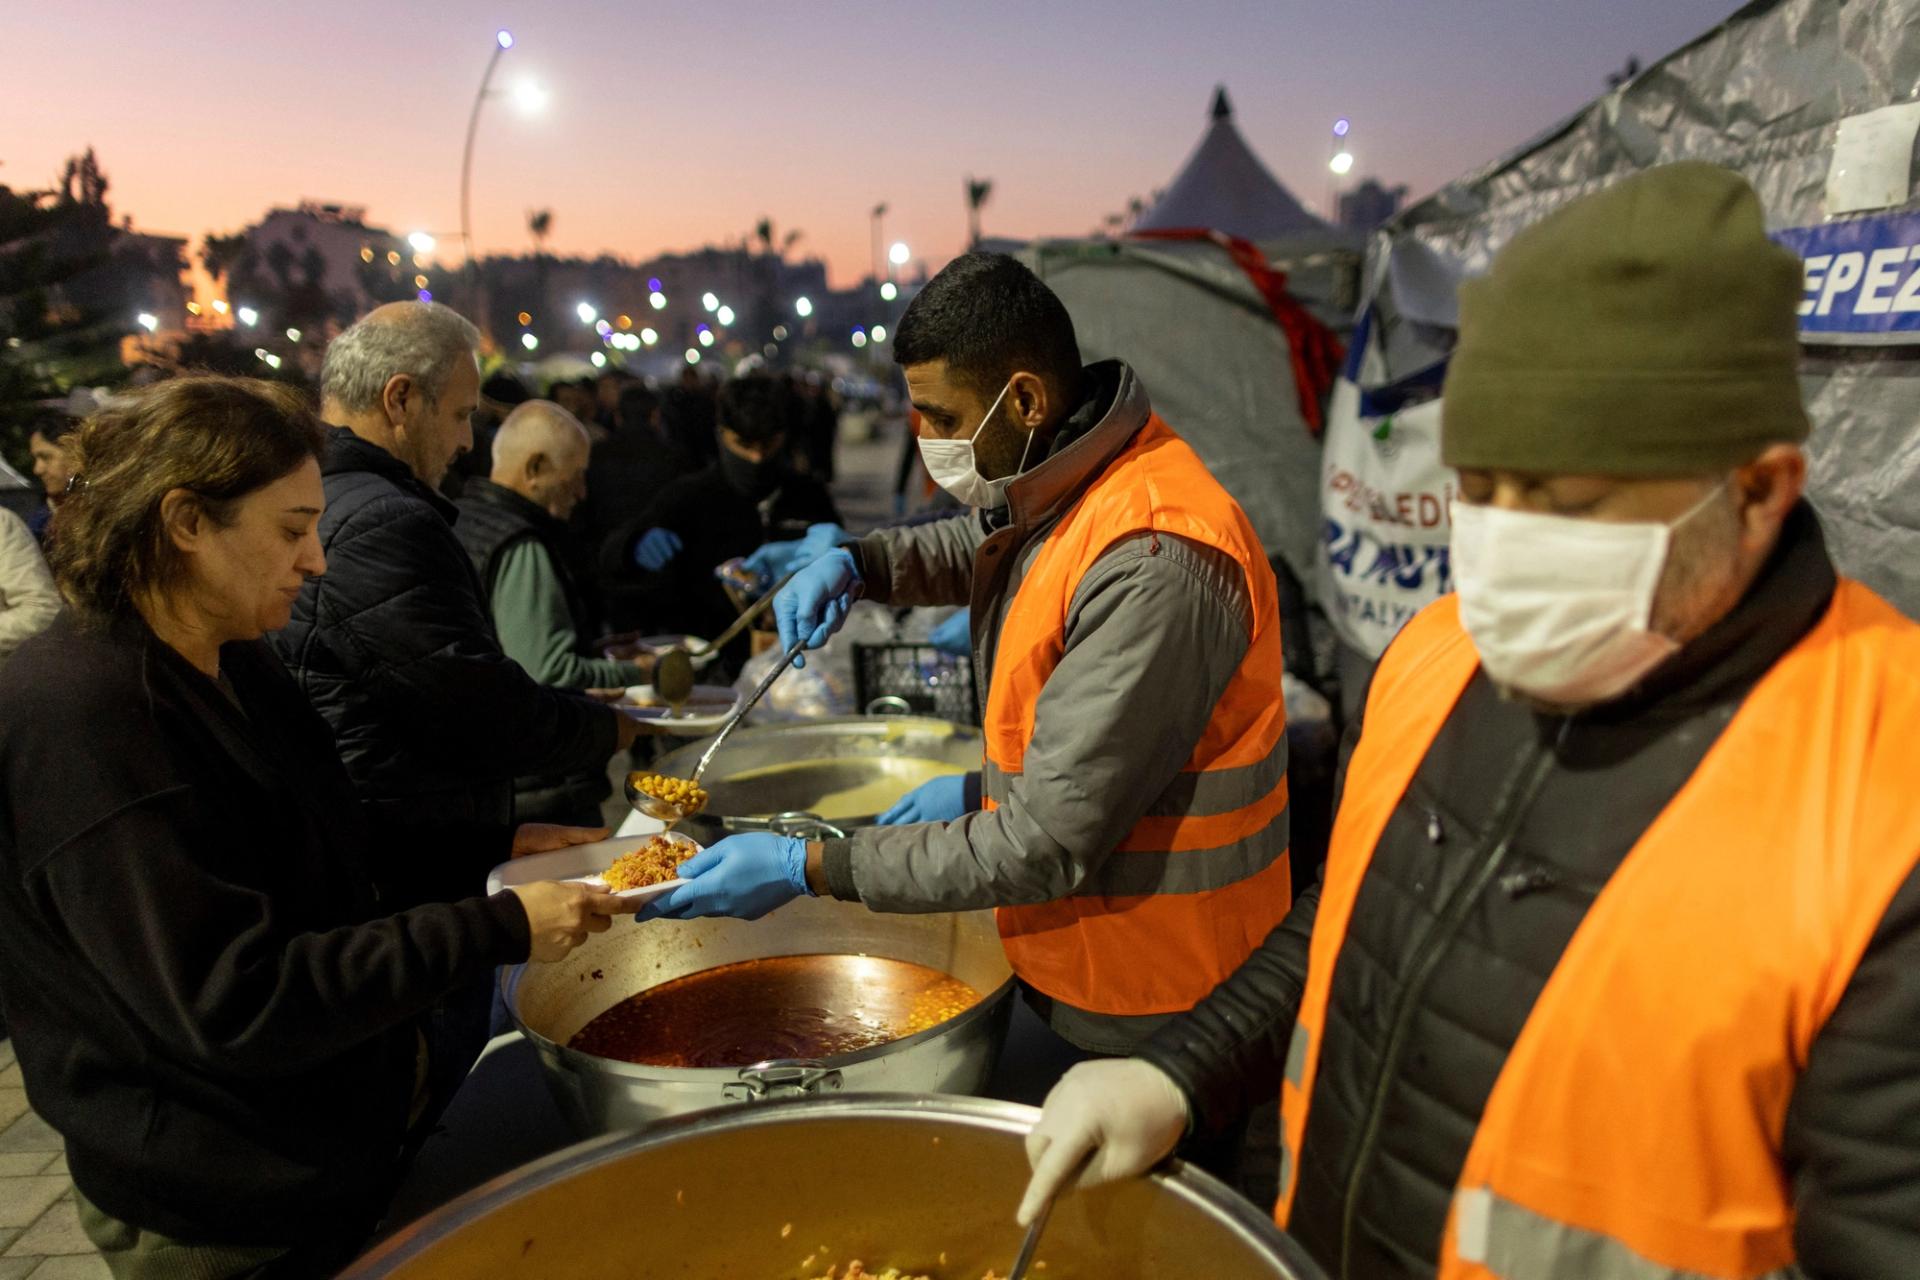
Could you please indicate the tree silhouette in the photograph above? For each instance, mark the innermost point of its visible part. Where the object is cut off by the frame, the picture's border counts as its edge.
(979, 191)
(68, 284)
(540, 226)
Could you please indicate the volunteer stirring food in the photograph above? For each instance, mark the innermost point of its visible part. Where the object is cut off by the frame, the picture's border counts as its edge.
(1612, 971)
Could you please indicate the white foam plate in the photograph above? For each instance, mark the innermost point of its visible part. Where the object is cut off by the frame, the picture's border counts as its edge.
(583, 863)
(705, 710)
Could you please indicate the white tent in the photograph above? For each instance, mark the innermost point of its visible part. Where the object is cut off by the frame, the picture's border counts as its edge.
(1225, 187)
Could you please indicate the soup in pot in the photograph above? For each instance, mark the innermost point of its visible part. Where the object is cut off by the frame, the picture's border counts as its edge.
(815, 1006)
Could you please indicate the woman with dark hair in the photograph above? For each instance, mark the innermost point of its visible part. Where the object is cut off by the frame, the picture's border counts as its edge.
(205, 999)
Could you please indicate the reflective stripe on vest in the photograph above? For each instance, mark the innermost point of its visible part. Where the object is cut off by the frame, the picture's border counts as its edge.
(1202, 877)
(1633, 1132)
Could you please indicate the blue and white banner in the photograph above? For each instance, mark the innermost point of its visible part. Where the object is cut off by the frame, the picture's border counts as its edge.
(1862, 279)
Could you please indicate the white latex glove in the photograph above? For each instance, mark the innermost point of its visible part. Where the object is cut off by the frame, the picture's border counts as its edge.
(1128, 1113)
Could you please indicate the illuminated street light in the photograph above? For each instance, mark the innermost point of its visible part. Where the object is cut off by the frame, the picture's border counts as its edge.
(293, 335)
(879, 333)
(419, 282)
(724, 315)
(1341, 126)
(602, 328)
(529, 97)
(421, 242)
(248, 316)
(706, 337)
(147, 320)
(649, 337)
(586, 312)
(899, 254)
(803, 307)
(220, 306)
(658, 299)
(859, 337)
(525, 317)
(693, 355)
(503, 38)
(889, 291)
(599, 361)
(625, 322)
(779, 333)
(710, 302)
(1342, 163)
(530, 342)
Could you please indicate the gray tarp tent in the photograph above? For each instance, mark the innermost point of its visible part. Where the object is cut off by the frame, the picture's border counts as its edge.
(1215, 363)
(1764, 93)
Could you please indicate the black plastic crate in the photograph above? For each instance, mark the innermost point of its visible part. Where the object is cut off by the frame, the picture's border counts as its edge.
(930, 682)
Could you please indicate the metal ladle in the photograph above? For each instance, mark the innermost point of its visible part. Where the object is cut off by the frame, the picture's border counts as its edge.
(670, 813)
(1031, 1245)
(673, 670)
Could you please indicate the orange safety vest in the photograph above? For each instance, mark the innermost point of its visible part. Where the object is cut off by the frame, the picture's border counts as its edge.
(1213, 847)
(1634, 1130)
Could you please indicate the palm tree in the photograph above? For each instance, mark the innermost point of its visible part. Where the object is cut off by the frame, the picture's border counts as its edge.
(979, 190)
(763, 231)
(540, 225)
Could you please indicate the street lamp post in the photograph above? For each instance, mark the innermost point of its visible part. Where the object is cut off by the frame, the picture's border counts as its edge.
(502, 41)
(1339, 164)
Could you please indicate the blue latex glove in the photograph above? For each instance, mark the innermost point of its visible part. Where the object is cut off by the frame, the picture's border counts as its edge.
(817, 601)
(744, 876)
(777, 559)
(936, 800)
(954, 635)
(656, 549)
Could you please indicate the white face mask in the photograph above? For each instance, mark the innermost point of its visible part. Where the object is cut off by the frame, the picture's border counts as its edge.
(951, 464)
(1560, 608)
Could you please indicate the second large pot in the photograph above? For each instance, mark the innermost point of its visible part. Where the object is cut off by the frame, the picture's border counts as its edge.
(845, 770)
(551, 1002)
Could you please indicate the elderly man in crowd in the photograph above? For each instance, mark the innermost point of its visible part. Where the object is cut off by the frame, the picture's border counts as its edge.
(1615, 966)
(396, 649)
(395, 646)
(513, 525)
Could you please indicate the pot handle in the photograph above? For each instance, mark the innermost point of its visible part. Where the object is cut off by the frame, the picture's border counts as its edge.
(782, 1078)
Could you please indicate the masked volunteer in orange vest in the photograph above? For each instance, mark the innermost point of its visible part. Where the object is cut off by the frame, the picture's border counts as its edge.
(1614, 973)
(1130, 818)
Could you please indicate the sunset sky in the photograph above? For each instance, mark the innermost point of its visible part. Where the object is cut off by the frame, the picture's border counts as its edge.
(672, 126)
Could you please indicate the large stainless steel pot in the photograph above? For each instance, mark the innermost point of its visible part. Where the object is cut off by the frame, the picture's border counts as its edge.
(783, 1191)
(802, 767)
(552, 1002)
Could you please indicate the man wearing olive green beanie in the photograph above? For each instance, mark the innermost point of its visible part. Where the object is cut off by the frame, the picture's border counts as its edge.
(1615, 967)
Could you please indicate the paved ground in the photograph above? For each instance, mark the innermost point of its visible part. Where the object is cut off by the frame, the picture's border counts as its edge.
(40, 1237)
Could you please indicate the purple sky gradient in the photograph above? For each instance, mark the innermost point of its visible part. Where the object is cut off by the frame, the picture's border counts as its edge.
(670, 126)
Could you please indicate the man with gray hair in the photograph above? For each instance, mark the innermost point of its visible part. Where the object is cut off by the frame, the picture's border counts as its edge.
(513, 525)
(394, 645)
